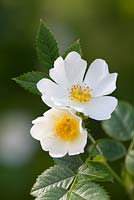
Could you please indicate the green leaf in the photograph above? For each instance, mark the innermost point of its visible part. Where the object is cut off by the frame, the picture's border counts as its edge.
(84, 190)
(111, 149)
(29, 80)
(129, 162)
(72, 162)
(46, 46)
(74, 47)
(53, 194)
(56, 176)
(94, 171)
(121, 124)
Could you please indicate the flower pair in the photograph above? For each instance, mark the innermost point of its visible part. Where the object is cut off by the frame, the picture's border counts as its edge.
(73, 89)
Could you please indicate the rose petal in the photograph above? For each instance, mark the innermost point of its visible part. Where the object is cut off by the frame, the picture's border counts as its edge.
(100, 108)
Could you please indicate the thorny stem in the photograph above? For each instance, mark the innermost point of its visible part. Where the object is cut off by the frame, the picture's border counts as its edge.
(108, 166)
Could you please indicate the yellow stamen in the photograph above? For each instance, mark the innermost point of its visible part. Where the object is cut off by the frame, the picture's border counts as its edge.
(67, 128)
(80, 93)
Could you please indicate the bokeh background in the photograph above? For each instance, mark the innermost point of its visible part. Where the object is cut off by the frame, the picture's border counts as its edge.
(106, 30)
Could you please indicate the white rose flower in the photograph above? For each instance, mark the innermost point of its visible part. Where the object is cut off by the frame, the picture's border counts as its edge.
(86, 93)
(60, 132)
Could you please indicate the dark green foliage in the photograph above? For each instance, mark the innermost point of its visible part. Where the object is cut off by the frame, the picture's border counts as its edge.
(56, 176)
(29, 80)
(129, 162)
(94, 171)
(111, 149)
(121, 124)
(74, 47)
(46, 46)
(73, 162)
(65, 181)
(55, 193)
(84, 190)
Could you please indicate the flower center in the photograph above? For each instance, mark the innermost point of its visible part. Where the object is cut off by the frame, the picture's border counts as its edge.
(67, 128)
(80, 93)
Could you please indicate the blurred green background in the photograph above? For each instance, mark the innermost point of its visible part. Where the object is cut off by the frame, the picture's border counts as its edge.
(106, 30)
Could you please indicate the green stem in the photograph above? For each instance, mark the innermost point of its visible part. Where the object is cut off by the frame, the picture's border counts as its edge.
(131, 145)
(108, 166)
(92, 150)
(95, 144)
